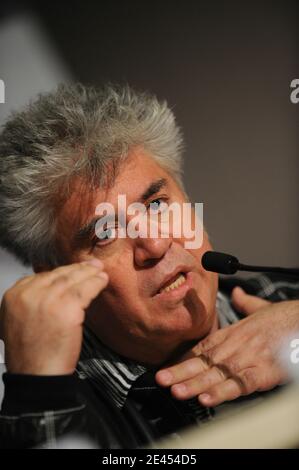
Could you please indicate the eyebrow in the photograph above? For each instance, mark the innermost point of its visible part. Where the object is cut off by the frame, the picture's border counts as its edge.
(153, 188)
(88, 229)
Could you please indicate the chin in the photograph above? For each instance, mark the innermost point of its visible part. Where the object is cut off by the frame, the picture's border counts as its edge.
(181, 324)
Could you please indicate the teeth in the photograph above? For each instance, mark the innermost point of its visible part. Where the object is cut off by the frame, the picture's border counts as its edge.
(179, 281)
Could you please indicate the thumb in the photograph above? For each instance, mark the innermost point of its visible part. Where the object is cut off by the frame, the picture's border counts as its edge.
(246, 303)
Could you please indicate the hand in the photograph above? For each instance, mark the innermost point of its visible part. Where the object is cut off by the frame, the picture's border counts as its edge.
(236, 360)
(41, 318)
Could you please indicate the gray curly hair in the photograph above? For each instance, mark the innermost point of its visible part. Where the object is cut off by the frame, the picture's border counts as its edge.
(73, 131)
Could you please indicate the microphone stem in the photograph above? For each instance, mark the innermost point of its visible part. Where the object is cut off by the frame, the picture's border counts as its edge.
(264, 269)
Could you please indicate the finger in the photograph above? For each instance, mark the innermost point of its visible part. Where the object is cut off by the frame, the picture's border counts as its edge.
(229, 349)
(78, 295)
(182, 371)
(91, 267)
(23, 280)
(211, 341)
(78, 275)
(190, 367)
(199, 384)
(86, 290)
(244, 383)
(222, 366)
(228, 390)
(246, 303)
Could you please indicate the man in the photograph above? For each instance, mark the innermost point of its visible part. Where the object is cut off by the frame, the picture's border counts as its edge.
(119, 337)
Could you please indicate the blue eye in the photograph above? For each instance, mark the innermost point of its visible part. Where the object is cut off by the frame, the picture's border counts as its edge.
(159, 205)
(155, 204)
(106, 234)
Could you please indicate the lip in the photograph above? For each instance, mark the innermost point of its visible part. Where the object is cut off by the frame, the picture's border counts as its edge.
(179, 269)
(177, 294)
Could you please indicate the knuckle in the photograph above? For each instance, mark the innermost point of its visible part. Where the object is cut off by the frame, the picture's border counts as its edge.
(75, 293)
(205, 361)
(206, 343)
(249, 379)
(60, 280)
(21, 280)
(14, 299)
(233, 365)
(24, 297)
(222, 372)
(198, 349)
(209, 380)
(210, 357)
(8, 295)
(212, 340)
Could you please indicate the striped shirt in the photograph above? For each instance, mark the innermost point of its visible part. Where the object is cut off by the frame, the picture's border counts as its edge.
(119, 377)
(116, 374)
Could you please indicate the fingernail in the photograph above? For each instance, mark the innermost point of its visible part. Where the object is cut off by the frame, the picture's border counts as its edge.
(179, 389)
(204, 397)
(165, 377)
(94, 262)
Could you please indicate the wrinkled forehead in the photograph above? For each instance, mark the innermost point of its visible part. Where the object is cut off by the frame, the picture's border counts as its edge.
(131, 178)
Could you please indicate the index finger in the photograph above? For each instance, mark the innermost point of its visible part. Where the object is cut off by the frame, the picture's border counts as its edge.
(93, 265)
(182, 371)
(209, 342)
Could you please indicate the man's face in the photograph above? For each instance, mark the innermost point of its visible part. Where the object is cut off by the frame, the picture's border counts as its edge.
(134, 315)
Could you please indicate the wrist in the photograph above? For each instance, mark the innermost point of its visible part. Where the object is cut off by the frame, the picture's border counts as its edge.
(26, 393)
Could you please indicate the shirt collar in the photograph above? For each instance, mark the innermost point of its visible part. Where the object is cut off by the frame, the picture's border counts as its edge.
(112, 372)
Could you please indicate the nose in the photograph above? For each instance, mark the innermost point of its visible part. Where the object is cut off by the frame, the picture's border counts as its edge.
(149, 250)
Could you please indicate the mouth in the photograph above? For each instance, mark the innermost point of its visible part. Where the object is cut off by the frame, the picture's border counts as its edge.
(175, 286)
(176, 281)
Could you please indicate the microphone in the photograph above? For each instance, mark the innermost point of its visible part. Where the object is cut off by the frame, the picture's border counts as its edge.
(223, 263)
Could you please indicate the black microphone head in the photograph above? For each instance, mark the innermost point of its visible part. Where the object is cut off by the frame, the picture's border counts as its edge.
(219, 262)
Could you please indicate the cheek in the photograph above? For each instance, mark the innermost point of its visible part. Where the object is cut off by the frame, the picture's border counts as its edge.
(212, 282)
(120, 302)
(197, 254)
(122, 287)
(207, 282)
(116, 317)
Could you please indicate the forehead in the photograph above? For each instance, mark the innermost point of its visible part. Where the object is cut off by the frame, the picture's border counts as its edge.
(134, 176)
